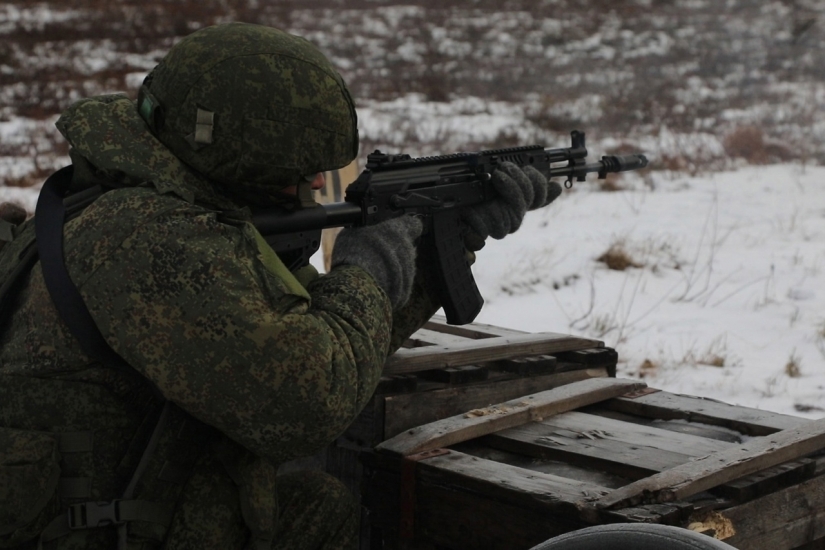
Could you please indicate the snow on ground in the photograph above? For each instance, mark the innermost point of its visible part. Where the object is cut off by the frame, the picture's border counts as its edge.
(727, 301)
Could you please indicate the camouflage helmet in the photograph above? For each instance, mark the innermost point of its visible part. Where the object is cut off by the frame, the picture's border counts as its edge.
(250, 107)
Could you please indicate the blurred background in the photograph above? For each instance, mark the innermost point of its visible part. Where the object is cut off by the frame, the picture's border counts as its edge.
(696, 84)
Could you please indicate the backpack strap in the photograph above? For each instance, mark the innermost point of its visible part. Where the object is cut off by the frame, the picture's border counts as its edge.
(49, 217)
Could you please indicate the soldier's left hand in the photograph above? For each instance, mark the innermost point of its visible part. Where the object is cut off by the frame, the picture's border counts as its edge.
(519, 190)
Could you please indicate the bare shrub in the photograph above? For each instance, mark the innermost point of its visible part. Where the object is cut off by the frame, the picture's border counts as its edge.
(746, 142)
(750, 143)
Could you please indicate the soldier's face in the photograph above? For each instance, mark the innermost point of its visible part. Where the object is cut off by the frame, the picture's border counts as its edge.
(318, 183)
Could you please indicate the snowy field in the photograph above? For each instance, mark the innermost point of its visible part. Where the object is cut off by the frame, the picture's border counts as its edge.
(726, 297)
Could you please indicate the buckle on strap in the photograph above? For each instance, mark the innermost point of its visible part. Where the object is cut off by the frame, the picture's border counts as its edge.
(87, 515)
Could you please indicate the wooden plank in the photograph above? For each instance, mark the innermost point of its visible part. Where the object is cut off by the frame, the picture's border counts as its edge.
(426, 337)
(634, 434)
(614, 457)
(487, 349)
(602, 443)
(676, 425)
(473, 330)
(786, 519)
(570, 470)
(508, 414)
(767, 481)
(667, 406)
(468, 502)
(403, 412)
(720, 467)
(511, 482)
(635, 451)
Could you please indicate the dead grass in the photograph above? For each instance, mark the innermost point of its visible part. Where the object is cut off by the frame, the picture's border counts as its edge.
(618, 258)
(749, 143)
(611, 183)
(715, 354)
(648, 368)
(792, 367)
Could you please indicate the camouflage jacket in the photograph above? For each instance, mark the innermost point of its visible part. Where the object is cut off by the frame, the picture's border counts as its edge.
(184, 288)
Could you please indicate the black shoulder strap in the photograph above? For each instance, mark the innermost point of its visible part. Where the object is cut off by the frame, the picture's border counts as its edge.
(49, 216)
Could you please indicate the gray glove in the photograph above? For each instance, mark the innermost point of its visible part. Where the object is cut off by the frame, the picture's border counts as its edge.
(519, 190)
(386, 251)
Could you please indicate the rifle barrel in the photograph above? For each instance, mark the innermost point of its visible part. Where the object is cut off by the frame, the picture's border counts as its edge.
(337, 214)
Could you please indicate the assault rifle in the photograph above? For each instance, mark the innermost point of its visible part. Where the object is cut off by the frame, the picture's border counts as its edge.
(434, 188)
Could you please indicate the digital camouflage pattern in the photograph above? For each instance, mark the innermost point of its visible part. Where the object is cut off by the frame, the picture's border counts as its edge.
(267, 368)
(279, 110)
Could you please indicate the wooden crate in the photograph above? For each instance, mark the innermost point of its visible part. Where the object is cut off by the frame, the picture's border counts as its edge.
(597, 451)
(445, 370)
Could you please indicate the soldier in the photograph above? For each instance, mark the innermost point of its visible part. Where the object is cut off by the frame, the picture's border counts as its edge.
(222, 364)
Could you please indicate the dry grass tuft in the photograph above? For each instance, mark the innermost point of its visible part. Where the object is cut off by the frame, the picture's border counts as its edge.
(647, 368)
(792, 366)
(746, 142)
(749, 143)
(610, 183)
(713, 360)
(714, 355)
(618, 258)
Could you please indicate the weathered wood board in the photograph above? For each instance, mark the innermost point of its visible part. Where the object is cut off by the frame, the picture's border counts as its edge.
(480, 422)
(445, 370)
(663, 405)
(716, 468)
(642, 457)
(483, 350)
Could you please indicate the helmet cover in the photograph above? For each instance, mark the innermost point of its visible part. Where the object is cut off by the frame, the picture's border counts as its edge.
(250, 107)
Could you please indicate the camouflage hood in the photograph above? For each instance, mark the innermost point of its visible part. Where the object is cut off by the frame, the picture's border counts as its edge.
(111, 143)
